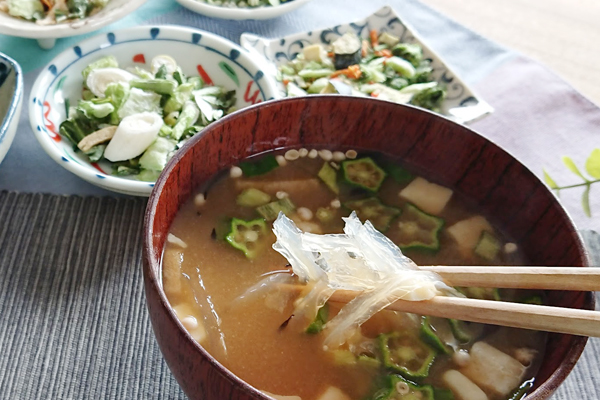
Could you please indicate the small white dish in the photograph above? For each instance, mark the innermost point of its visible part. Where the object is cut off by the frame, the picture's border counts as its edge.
(461, 103)
(47, 34)
(196, 52)
(210, 10)
(11, 100)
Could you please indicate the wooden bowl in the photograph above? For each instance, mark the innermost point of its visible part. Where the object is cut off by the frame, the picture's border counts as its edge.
(451, 154)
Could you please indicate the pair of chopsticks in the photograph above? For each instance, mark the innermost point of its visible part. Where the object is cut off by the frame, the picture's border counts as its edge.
(517, 315)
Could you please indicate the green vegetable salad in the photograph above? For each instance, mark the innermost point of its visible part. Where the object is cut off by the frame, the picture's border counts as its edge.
(379, 66)
(136, 119)
(245, 3)
(48, 12)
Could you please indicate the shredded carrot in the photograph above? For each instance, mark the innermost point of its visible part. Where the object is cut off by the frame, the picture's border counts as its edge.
(383, 53)
(373, 35)
(285, 82)
(364, 49)
(47, 3)
(352, 72)
(373, 94)
(331, 54)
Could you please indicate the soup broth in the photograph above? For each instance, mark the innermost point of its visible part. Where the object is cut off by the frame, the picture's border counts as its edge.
(219, 248)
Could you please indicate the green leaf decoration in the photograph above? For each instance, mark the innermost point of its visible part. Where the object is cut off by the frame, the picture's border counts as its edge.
(568, 161)
(230, 72)
(549, 181)
(592, 164)
(585, 201)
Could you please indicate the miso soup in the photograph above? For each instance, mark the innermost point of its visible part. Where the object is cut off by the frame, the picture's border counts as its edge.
(219, 252)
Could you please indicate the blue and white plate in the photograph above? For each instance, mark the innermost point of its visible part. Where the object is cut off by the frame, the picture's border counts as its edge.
(11, 100)
(60, 83)
(461, 104)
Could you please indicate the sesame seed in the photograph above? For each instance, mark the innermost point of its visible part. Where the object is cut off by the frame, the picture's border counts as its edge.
(303, 152)
(281, 195)
(199, 200)
(313, 153)
(235, 172)
(325, 154)
(351, 154)
(338, 156)
(292, 155)
(281, 160)
(510, 248)
(305, 213)
(336, 203)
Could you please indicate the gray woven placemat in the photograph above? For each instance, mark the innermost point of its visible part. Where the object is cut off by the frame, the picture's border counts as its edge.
(73, 320)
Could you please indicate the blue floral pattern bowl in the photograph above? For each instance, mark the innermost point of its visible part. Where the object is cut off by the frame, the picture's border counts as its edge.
(11, 100)
(461, 104)
(215, 59)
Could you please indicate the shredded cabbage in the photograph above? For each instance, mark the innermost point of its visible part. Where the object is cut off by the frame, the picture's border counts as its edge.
(363, 260)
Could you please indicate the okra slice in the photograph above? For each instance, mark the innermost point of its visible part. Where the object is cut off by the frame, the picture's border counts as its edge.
(481, 293)
(246, 235)
(415, 229)
(372, 209)
(460, 331)
(364, 173)
(397, 387)
(252, 197)
(320, 320)
(488, 246)
(430, 335)
(406, 354)
(329, 176)
(271, 210)
(260, 166)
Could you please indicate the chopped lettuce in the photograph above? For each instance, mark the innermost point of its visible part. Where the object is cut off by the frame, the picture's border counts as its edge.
(28, 9)
(182, 107)
(140, 101)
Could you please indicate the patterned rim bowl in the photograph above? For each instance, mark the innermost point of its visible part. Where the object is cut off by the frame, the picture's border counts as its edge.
(200, 7)
(11, 100)
(462, 104)
(47, 34)
(60, 83)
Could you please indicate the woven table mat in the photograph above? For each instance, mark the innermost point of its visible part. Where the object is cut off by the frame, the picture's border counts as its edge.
(73, 320)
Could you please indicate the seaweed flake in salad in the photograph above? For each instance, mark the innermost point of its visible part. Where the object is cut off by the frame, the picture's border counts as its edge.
(245, 3)
(49, 12)
(379, 66)
(137, 119)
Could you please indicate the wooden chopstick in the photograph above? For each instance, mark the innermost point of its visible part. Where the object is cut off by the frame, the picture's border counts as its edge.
(550, 278)
(517, 315)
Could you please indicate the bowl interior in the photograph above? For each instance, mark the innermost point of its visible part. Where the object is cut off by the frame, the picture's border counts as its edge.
(462, 104)
(448, 153)
(8, 89)
(11, 99)
(217, 60)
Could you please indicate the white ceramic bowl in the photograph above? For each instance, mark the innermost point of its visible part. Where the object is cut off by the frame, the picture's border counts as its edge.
(200, 7)
(461, 103)
(47, 34)
(11, 100)
(225, 63)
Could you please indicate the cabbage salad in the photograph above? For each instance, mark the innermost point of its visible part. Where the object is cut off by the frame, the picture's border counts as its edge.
(379, 66)
(245, 3)
(48, 12)
(137, 119)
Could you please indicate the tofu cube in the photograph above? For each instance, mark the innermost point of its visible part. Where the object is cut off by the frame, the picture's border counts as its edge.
(493, 369)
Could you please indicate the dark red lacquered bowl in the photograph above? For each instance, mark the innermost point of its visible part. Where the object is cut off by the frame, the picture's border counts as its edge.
(442, 150)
